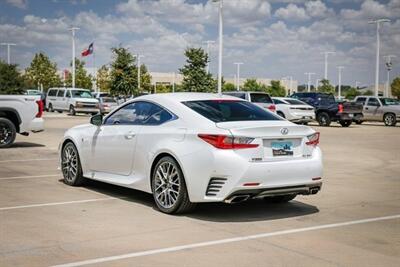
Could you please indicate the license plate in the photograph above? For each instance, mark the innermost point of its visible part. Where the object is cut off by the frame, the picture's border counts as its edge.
(282, 149)
(351, 115)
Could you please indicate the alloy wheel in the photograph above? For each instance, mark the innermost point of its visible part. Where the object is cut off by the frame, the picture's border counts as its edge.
(167, 185)
(69, 163)
(5, 133)
(389, 120)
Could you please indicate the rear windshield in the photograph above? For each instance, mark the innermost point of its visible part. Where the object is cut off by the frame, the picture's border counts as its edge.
(294, 102)
(260, 98)
(223, 110)
(109, 100)
(326, 99)
(81, 94)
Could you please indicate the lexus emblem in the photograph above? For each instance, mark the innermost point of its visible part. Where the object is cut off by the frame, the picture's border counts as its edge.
(284, 131)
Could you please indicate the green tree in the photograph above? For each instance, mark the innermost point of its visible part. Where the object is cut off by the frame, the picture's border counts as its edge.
(82, 78)
(195, 77)
(228, 87)
(103, 79)
(145, 79)
(351, 93)
(123, 72)
(162, 88)
(42, 72)
(253, 85)
(395, 86)
(326, 87)
(369, 92)
(11, 81)
(276, 89)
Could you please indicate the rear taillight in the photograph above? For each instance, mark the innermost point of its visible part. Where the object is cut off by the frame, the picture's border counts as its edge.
(40, 108)
(340, 106)
(313, 140)
(228, 142)
(272, 108)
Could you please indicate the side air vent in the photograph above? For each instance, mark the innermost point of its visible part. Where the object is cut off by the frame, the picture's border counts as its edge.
(214, 186)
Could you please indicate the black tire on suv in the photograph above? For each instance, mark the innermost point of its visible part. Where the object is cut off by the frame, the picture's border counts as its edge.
(8, 133)
(389, 119)
(323, 119)
(72, 111)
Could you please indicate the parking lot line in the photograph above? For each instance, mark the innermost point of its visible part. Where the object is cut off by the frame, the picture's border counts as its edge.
(29, 177)
(58, 203)
(225, 241)
(25, 160)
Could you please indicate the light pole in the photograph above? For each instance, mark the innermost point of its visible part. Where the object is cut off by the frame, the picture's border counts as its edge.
(220, 46)
(138, 56)
(377, 22)
(8, 51)
(173, 82)
(357, 83)
(340, 81)
(238, 74)
(309, 80)
(208, 54)
(389, 66)
(73, 29)
(326, 63)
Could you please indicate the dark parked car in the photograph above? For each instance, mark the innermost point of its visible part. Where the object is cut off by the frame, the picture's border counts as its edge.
(328, 110)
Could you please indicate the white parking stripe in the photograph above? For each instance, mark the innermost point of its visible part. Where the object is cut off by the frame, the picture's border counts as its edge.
(29, 177)
(25, 160)
(224, 241)
(58, 203)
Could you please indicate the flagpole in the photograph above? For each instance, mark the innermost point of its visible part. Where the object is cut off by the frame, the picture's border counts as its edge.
(95, 70)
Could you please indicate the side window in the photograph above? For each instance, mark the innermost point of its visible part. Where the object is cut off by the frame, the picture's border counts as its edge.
(361, 100)
(373, 102)
(52, 92)
(60, 93)
(139, 113)
(277, 101)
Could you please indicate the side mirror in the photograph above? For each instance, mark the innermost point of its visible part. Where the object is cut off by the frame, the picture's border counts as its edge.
(96, 119)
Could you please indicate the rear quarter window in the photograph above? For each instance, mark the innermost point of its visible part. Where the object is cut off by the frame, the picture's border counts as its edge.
(260, 98)
(228, 110)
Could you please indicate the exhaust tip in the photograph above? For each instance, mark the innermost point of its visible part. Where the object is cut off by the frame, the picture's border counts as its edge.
(237, 199)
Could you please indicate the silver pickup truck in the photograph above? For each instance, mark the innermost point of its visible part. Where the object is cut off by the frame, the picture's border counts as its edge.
(19, 114)
(379, 109)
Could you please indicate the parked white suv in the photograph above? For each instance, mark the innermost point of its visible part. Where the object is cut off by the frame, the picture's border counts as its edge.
(74, 100)
(260, 99)
(19, 114)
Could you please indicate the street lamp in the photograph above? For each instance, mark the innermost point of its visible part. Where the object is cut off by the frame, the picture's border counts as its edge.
(377, 22)
(238, 74)
(138, 56)
(220, 46)
(309, 80)
(73, 29)
(389, 66)
(8, 51)
(208, 43)
(326, 63)
(340, 81)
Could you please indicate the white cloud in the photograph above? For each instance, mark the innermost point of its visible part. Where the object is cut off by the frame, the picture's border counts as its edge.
(292, 12)
(18, 3)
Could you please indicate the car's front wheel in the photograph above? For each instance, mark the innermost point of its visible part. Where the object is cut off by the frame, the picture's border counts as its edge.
(169, 187)
(71, 165)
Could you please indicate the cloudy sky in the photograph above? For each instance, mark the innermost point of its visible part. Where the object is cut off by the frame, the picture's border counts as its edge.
(273, 38)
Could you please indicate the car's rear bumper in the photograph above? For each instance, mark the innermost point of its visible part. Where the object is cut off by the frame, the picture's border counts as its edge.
(87, 110)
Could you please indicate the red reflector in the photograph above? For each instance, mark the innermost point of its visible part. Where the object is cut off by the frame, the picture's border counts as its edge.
(272, 107)
(40, 108)
(316, 178)
(340, 106)
(251, 184)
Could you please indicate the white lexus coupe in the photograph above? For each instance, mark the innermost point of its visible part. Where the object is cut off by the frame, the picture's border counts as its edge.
(187, 148)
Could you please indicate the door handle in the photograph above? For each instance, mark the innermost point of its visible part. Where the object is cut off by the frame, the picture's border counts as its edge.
(130, 135)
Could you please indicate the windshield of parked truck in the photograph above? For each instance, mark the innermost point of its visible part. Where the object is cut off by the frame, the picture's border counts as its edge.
(389, 101)
(81, 94)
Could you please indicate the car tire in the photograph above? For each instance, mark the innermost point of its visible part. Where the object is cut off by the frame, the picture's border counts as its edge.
(389, 119)
(345, 123)
(8, 133)
(280, 199)
(59, 111)
(165, 189)
(51, 109)
(71, 165)
(358, 122)
(280, 113)
(72, 111)
(323, 119)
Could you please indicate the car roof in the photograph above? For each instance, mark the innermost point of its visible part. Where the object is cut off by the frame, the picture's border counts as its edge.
(232, 92)
(181, 97)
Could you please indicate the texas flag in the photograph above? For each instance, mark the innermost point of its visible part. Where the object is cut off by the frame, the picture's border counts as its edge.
(87, 51)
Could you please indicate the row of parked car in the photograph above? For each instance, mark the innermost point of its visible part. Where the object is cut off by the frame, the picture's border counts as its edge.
(325, 109)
